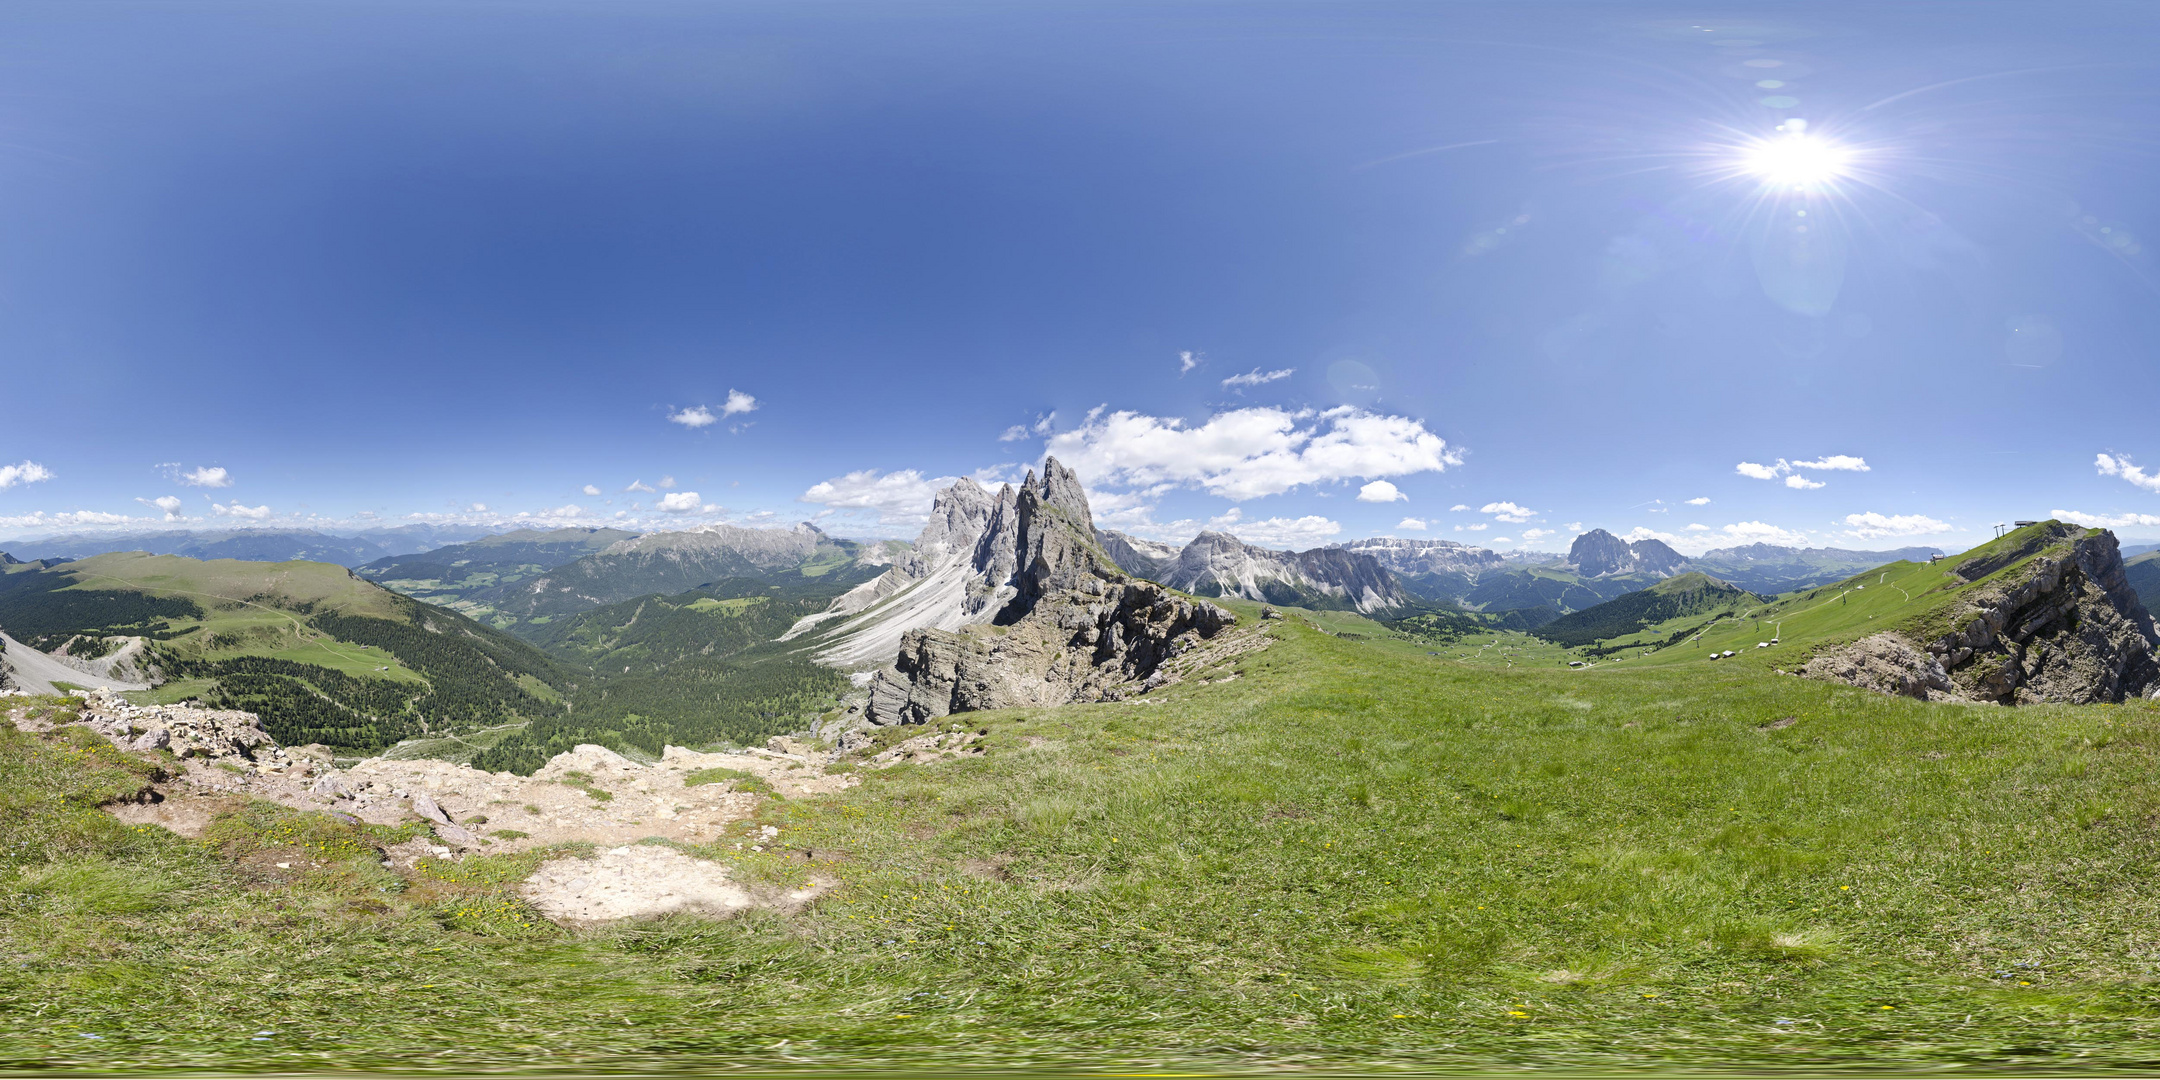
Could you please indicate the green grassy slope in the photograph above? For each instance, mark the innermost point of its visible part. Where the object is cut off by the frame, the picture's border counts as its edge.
(453, 576)
(322, 655)
(1559, 589)
(1915, 599)
(695, 669)
(1356, 856)
(1686, 596)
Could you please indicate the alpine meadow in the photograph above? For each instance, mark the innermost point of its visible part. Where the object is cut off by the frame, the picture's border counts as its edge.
(1085, 539)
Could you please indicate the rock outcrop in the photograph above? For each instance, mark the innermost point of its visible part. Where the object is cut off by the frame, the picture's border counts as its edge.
(1033, 611)
(2060, 624)
(1412, 557)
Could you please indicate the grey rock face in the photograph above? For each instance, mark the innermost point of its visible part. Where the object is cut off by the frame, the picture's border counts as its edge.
(1885, 663)
(1133, 555)
(1425, 556)
(2065, 627)
(210, 734)
(1070, 624)
(1598, 553)
(1218, 564)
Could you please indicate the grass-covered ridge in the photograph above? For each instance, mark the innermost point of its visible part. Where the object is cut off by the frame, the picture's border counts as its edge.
(1687, 595)
(320, 654)
(1354, 854)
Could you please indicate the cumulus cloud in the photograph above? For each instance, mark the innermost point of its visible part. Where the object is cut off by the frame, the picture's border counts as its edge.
(737, 403)
(1703, 500)
(28, 472)
(570, 510)
(696, 416)
(1508, 512)
(40, 519)
(1535, 534)
(1412, 524)
(681, 502)
(1641, 533)
(1757, 532)
(1784, 468)
(170, 504)
(2107, 521)
(2108, 465)
(1692, 527)
(1041, 426)
(204, 476)
(1187, 360)
(592, 489)
(1248, 453)
(1835, 463)
(640, 485)
(249, 513)
(1874, 526)
(1380, 491)
(1309, 531)
(1458, 508)
(898, 498)
(1256, 377)
(1479, 527)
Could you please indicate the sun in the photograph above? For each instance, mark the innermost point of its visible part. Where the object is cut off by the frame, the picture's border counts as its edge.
(1796, 159)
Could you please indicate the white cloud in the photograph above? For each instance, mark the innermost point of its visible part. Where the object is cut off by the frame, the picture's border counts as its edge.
(571, 510)
(694, 417)
(1536, 534)
(1412, 524)
(898, 498)
(1041, 426)
(206, 476)
(1835, 463)
(667, 483)
(1698, 528)
(1874, 526)
(1187, 360)
(592, 489)
(1305, 532)
(1782, 467)
(1247, 453)
(1640, 533)
(1380, 491)
(40, 519)
(1257, 377)
(1502, 540)
(478, 508)
(1508, 512)
(1700, 501)
(737, 402)
(29, 472)
(1458, 508)
(169, 504)
(681, 502)
(1757, 532)
(250, 513)
(1479, 527)
(640, 485)
(1574, 526)
(2107, 464)
(2107, 521)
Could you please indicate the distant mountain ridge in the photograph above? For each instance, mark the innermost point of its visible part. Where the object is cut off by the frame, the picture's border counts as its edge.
(1219, 564)
(669, 563)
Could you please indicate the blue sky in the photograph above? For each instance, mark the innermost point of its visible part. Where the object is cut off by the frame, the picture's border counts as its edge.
(1306, 272)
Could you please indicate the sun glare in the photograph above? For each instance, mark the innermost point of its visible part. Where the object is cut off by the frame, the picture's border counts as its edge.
(1797, 159)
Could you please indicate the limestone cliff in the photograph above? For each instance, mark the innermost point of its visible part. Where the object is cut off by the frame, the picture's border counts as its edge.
(1034, 613)
(2048, 618)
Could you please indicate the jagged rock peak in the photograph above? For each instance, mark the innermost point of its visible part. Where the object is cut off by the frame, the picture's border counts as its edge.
(1598, 553)
(1062, 489)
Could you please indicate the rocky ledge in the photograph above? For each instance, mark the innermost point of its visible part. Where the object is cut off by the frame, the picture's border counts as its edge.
(2066, 627)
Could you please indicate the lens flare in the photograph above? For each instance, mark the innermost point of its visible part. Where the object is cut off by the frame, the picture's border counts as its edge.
(1797, 160)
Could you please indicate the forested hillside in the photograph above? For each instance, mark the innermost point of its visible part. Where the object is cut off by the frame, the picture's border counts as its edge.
(692, 669)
